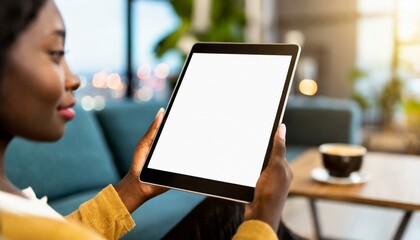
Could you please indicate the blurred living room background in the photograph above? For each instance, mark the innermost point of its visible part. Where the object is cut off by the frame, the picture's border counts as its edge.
(367, 51)
(358, 49)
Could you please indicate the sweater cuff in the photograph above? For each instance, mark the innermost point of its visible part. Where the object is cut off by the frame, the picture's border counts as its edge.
(107, 214)
(116, 207)
(255, 229)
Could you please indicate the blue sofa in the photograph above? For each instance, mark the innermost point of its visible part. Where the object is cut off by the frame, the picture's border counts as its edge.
(312, 121)
(97, 148)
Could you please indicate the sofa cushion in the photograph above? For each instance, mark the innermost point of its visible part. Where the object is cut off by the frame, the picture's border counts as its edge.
(69, 204)
(293, 151)
(124, 124)
(77, 162)
(313, 121)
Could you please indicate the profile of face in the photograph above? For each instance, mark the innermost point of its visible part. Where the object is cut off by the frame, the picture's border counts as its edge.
(36, 90)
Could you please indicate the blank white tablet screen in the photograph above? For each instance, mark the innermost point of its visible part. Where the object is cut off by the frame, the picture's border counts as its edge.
(220, 123)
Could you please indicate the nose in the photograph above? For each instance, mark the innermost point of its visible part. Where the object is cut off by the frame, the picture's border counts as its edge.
(72, 81)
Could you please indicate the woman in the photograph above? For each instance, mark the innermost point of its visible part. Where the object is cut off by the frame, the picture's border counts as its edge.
(36, 88)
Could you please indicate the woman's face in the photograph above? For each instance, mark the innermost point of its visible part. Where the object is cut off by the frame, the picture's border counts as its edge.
(36, 97)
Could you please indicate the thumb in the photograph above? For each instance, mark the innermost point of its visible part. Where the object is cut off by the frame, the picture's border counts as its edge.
(279, 145)
(144, 145)
(282, 132)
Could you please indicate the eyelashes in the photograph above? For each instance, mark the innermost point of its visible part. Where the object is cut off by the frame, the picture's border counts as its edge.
(56, 56)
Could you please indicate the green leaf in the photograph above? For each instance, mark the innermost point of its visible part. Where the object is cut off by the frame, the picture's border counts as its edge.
(227, 24)
(170, 41)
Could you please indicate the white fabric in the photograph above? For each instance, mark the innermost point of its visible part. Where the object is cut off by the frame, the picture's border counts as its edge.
(28, 206)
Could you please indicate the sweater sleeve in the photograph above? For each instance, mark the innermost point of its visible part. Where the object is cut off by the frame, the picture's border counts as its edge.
(104, 213)
(255, 230)
(21, 227)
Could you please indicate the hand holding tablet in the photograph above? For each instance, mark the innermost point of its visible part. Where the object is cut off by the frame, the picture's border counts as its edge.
(272, 187)
(218, 130)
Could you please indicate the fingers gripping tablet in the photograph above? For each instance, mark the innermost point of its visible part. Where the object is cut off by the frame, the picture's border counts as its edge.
(217, 133)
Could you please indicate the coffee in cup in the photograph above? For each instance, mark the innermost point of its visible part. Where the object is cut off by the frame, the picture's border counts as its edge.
(340, 160)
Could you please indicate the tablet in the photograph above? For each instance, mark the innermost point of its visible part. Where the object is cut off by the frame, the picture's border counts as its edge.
(216, 136)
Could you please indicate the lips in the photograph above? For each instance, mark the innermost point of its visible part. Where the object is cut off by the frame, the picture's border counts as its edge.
(67, 112)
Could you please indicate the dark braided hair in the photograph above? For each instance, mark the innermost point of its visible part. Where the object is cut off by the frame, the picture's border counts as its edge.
(15, 17)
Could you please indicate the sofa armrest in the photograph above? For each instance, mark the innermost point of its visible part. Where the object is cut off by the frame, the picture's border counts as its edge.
(312, 121)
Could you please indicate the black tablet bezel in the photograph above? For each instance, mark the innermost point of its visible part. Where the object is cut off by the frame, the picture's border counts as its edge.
(207, 186)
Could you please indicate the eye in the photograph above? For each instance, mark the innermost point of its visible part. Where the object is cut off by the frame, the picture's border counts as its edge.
(56, 56)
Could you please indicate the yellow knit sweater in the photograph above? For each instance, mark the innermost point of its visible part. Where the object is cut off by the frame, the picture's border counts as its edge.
(103, 217)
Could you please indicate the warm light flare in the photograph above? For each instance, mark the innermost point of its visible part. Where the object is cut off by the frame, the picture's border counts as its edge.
(119, 92)
(162, 71)
(99, 79)
(144, 71)
(308, 87)
(113, 81)
(144, 94)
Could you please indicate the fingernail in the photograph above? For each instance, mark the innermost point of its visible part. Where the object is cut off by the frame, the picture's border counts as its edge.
(283, 131)
(160, 110)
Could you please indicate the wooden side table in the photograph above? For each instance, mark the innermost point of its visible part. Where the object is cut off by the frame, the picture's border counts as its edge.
(394, 183)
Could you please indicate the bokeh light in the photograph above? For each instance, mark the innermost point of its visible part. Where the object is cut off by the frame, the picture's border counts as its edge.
(295, 36)
(143, 72)
(99, 79)
(162, 71)
(308, 87)
(99, 102)
(119, 92)
(83, 81)
(144, 94)
(113, 81)
(87, 103)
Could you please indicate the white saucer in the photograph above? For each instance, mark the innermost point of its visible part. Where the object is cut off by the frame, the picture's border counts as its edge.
(321, 175)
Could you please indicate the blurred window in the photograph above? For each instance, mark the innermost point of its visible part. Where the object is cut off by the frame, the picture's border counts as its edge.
(383, 28)
(96, 46)
(95, 34)
(152, 20)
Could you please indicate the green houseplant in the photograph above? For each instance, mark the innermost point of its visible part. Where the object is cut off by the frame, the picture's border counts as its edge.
(386, 99)
(226, 24)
